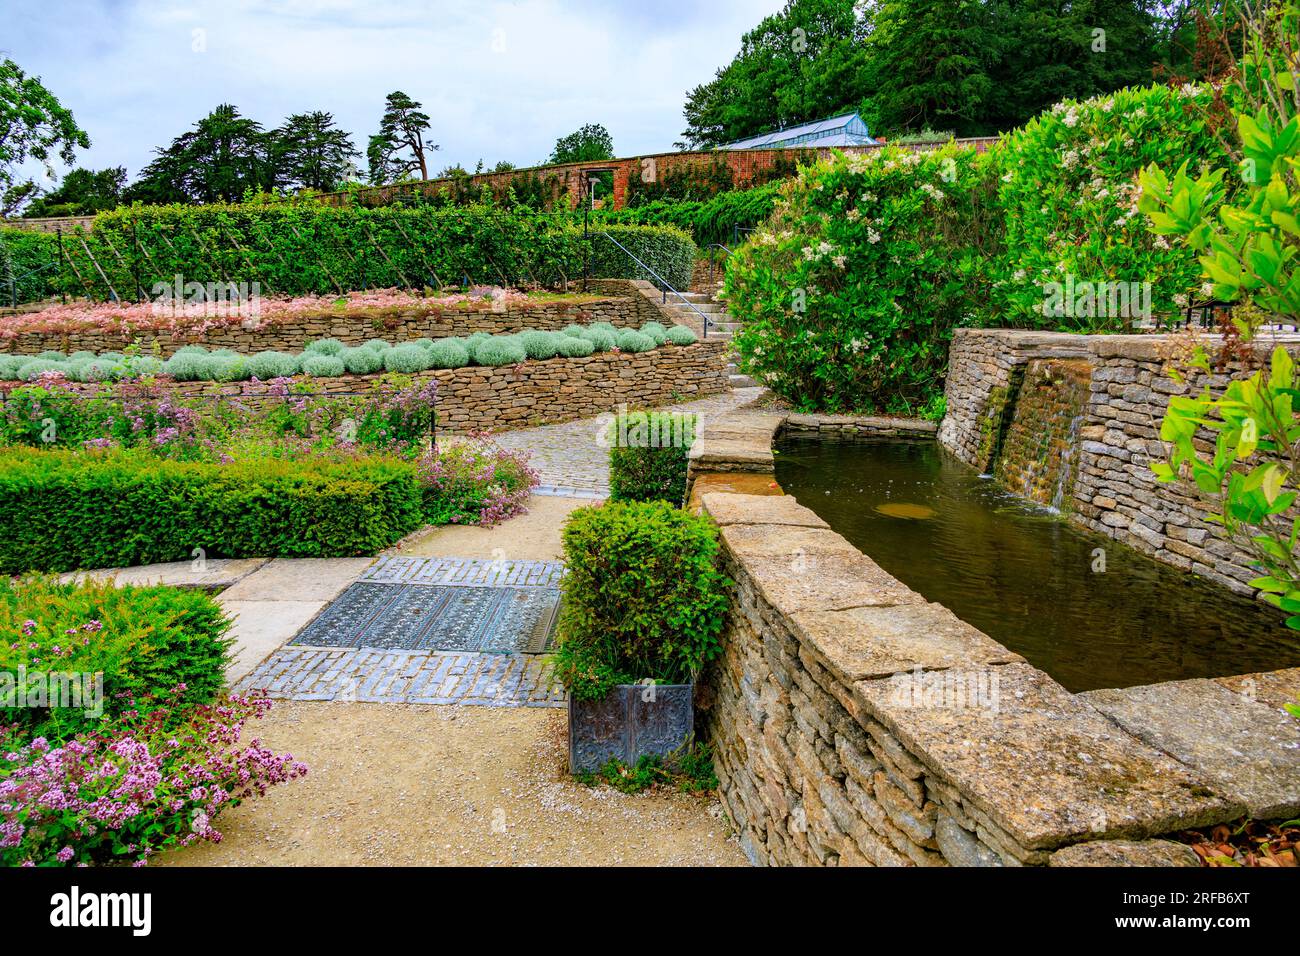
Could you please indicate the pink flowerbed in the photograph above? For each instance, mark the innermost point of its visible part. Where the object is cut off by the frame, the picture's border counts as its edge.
(127, 318)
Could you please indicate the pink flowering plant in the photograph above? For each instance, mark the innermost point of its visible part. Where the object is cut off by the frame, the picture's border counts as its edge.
(475, 481)
(156, 779)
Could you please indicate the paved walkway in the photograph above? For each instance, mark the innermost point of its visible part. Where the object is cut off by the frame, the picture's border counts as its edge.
(572, 457)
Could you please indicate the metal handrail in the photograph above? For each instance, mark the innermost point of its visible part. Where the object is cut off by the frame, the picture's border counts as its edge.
(715, 245)
(667, 286)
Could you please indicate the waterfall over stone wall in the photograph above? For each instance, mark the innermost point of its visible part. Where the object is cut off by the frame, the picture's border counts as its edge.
(1038, 454)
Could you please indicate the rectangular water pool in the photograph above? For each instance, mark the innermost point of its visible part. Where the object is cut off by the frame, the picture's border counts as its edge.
(1026, 577)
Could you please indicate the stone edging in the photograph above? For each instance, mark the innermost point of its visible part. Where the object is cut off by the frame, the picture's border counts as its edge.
(854, 723)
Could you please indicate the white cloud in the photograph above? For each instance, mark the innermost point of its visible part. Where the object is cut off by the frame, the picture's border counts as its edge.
(130, 73)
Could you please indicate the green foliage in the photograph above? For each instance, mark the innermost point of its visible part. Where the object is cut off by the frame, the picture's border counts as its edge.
(323, 366)
(1070, 195)
(643, 598)
(398, 149)
(1250, 255)
(362, 360)
(681, 335)
(602, 340)
(68, 510)
(499, 350)
(851, 291)
(572, 346)
(713, 219)
(1254, 472)
(656, 331)
(34, 126)
(590, 143)
(273, 364)
(29, 266)
(630, 340)
(647, 455)
(223, 157)
(540, 345)
(294, 249)
(689, 770)
(143, 640)
(309, 151)
(407, 358)
(83, 192)
(448, 354)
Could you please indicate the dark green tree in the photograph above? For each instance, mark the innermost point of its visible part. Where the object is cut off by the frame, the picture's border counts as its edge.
(398, 149)
(221, 159)
(804, 63)
(33, 125)
(310, 152)
(591, 143)
(83, 192)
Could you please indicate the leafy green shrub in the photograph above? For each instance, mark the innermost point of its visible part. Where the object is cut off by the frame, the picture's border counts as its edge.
(601, 340)
(681, 335)
(1068, 187)
(323, 366)
(406, 359)
(643, 598)
(572, 347)
(448, 354)
(630, 340)
(851, 291)
(647, 455)
(38, 366)
(475, 483)
(185, 366)
(573, 331)
(68, 510)
(540, 345)
(656, 331)
(272, 364)
(499, 350)
(144, 640)
(52, 355)
(708, 220)
(362, 361)
(191, 350)
(9, 367)
(378, 345)
(325, 347)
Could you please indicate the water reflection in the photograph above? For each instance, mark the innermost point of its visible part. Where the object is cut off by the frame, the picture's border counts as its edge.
(1027, 578)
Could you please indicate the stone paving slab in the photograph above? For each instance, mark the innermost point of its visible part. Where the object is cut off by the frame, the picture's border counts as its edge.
(1273, 688)
(212, 574)
(1041, 764)
(299, 579)
(406, 677)
(263, 626)
(468, 572)
(1126, 853)
(1249, 750)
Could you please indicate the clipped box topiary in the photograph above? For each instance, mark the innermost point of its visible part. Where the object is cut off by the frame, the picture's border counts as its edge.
(642, 614)
(648, 455)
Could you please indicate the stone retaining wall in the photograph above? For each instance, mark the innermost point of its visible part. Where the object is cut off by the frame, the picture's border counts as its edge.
(478, 398)
(853, 723)
(623, 308)
(1114, 492)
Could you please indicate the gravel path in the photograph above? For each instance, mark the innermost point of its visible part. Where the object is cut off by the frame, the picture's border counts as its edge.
(408, 785)
(570, 455)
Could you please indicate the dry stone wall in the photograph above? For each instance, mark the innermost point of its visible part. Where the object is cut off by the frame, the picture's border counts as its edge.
(853, 723)
(1114, 492)
(478, 398)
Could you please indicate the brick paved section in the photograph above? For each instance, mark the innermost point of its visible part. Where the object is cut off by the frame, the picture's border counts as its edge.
(471, 572)
(406, 677)
(571, 459)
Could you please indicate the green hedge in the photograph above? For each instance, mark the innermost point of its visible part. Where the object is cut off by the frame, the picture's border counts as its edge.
(707, 220)
(67, 510)
(28, 266)
(297, 249)
(144, 640)
(647, 456)
(643, 598)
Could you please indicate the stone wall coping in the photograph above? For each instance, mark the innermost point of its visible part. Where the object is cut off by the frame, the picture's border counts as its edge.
(1044, 766)
(862, 424)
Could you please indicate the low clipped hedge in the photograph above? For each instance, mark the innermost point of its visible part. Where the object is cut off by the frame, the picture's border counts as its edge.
(648, 455)
(307, 248)
(643, 598)
(143, 640)
(64, 510)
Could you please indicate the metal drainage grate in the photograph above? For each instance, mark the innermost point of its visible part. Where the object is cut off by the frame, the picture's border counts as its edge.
(501, 620)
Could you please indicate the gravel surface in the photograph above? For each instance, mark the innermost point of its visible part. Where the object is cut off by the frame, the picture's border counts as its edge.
(393, 784)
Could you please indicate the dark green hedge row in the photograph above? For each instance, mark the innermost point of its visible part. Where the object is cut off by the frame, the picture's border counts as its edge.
(709, 220)
(28, 266)
(647, 456)
(68, 510)
(315, 249)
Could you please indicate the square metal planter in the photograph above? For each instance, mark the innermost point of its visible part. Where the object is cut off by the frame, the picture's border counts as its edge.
(633, 721)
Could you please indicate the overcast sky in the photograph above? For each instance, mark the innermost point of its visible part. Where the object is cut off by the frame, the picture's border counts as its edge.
(501, 80)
